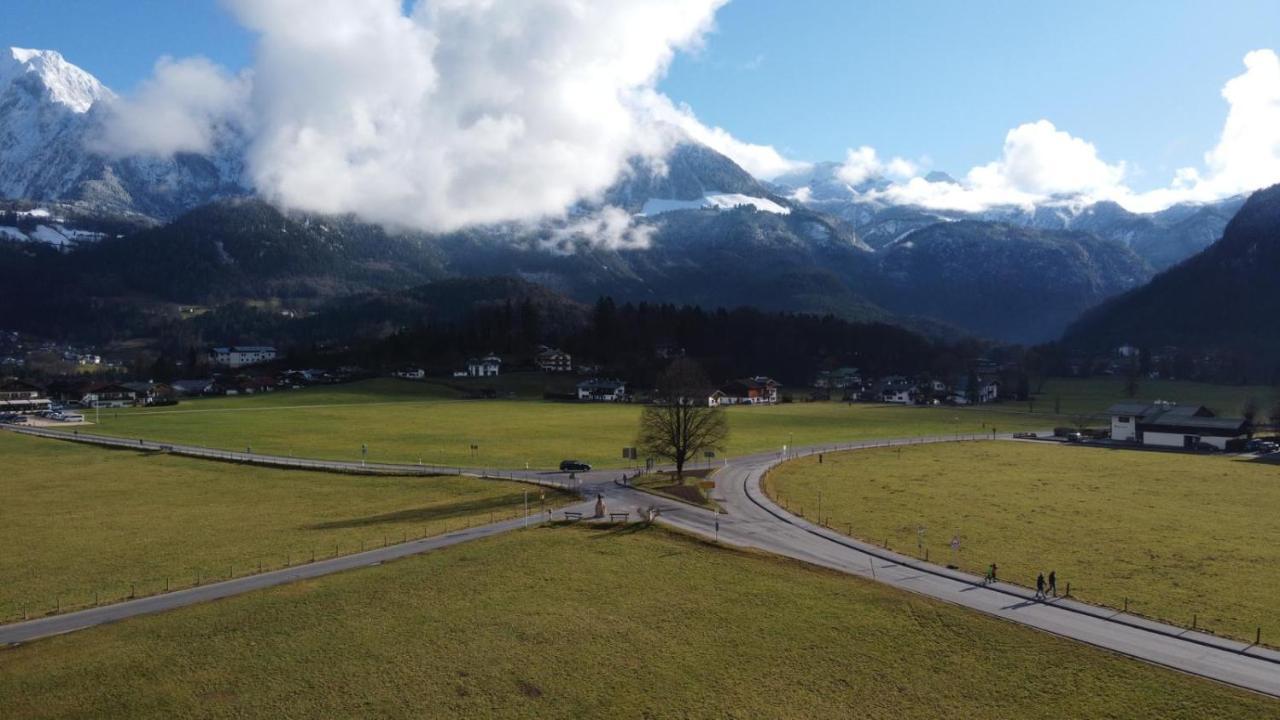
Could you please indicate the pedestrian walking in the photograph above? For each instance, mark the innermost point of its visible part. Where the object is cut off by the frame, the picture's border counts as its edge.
(1053, 583)
(1040, 586)
(991, 575)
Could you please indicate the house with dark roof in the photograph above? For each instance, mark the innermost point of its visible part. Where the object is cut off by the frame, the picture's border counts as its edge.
(553, 360)
(757, 390)
(1165, 424)
(22, 396)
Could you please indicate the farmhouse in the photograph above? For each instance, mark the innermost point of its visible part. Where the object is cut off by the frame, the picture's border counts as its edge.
(236, 356)
(757, 390)
(602, 390)
(987, 391)
(1164, 424)
(153, 393)
(553, 360)
(895, 389)
(488, 366)
(109, 395)
(20, 396)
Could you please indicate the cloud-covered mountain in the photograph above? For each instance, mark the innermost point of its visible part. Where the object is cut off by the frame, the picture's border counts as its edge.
(688, 225)
(51, 116)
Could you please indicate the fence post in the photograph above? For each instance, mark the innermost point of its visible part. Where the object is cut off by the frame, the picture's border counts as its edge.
(1126, 604)
(1257, 639)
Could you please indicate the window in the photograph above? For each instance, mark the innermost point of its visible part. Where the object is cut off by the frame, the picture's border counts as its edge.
(1123, 419)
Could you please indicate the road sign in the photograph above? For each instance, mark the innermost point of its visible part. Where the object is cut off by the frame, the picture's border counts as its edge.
(955, 542)
(708, 454)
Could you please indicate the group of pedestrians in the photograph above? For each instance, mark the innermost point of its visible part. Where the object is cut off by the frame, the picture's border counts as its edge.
(1044, 588)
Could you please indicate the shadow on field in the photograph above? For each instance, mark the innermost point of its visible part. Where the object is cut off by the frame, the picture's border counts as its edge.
(432, 512)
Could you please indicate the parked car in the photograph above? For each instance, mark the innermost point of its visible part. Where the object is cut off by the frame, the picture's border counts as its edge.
(574, 466)
(14, 419)
(1203, 446)
(1075, 437)
(70, 417)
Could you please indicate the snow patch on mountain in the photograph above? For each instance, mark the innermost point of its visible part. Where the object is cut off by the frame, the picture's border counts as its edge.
(713, 201)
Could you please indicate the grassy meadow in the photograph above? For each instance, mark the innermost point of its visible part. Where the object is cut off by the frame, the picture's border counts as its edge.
(75, 520)
(1176, 534)
(404, 421)
(1092, 396)
(563, 622)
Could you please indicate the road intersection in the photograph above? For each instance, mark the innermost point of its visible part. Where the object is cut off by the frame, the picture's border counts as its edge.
(750, 520)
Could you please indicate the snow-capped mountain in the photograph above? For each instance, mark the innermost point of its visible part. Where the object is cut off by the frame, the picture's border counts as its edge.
(1163, 238)
(50, 113)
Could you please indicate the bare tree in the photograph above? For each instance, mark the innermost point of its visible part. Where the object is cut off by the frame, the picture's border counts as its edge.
(1250, 411)
(681, 423)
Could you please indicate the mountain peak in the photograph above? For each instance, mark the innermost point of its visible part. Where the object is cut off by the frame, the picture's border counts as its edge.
(63, 82)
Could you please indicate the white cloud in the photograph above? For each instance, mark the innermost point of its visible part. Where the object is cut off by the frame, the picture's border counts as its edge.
(864, 164)
(1040, 161)
(762, 161)
(448, 114)
(610, 227)
(179, 109)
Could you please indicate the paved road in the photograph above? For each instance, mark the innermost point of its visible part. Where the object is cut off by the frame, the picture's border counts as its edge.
(753, 521)
(70, 622)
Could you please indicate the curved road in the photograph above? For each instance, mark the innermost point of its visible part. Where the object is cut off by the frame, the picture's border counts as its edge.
(751, 520)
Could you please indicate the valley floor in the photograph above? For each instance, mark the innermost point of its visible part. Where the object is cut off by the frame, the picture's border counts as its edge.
(1174, 536)
(81, 524)
(583, 622)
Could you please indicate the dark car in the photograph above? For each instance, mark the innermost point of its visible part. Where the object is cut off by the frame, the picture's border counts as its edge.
(1075, 437)
(574, 466)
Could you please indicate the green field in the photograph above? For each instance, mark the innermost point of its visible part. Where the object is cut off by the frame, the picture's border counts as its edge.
(1176, 534)
(1092, 396)
(75, 520)
(406, 421)
(576, 622)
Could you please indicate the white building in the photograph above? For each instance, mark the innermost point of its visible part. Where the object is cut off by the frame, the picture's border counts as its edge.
(1164, 424)
(488, 366)
(237, 356)
(602, 390)
(410, 374)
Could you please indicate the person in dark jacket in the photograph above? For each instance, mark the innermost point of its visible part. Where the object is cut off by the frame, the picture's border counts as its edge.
(1053, 583)
(1040, 586)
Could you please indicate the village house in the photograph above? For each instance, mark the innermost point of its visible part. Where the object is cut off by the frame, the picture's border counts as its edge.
(553, 360)
(237, 356)
(757, 390)
(153, 393)
(597, 390)
(988, 391)
(488, 366)
(1165, 424)
(838, 379)
(410, 373)
(109, 395)
(21, 396)
(895, 389)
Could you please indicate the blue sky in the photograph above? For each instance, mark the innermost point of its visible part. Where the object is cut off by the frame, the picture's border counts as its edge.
(939, 81)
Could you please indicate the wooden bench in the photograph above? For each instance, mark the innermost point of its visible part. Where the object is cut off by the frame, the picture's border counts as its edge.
(619, 517)
(574, 516)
